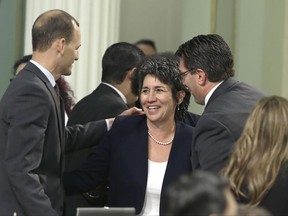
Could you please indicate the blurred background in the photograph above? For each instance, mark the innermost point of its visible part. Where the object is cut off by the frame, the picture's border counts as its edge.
(256, 31)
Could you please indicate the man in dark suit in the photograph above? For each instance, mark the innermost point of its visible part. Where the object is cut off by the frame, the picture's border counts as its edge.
(115, 93)
(32, 134)
(109, 99)
(206, 64)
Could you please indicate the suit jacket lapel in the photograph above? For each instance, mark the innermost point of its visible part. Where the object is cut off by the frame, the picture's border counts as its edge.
(142, 153)
(59, 109)
(173, 157)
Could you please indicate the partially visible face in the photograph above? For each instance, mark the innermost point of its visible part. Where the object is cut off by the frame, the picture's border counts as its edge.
(190, 81)
(19, 68)
(71, 52)
(157, 101)
(147, 50)
(131, 97)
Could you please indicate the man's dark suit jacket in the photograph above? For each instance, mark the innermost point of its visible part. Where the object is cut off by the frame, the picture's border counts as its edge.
(121, 161)
(221, 124)
(104, 102)
(32, 145)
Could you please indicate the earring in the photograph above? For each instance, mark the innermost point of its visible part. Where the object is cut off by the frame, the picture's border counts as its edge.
(178, 107)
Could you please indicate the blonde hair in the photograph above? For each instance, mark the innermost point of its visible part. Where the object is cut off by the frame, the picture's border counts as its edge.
(261, 151)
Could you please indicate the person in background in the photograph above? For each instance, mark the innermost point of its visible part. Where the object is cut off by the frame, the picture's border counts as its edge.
(33, 136)
(20, 64)
(206, 64)
(200, 193)
(141, 155)
(258, 166)
(115, 93)
(147, 46)
(65, 90)
(109, 99)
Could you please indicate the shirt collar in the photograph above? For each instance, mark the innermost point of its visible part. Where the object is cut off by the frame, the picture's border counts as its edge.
(45, 72)
(117, 90)
(211, 92)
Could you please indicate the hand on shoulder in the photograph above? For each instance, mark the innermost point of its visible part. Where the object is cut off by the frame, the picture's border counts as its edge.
(133, 111)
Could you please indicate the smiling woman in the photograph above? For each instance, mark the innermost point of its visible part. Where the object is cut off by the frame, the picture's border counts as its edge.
(141, 155)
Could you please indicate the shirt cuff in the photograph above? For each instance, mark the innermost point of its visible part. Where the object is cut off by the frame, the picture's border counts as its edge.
(107, 124)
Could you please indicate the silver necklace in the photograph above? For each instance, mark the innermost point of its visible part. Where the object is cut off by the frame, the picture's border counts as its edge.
(158, 142)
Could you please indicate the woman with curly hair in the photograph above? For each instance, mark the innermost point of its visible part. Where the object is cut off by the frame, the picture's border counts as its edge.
(141, 155)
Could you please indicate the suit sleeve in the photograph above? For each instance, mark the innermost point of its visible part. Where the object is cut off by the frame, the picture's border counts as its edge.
(212, 143)
(93, 172)
(84, 136)
(28, 116)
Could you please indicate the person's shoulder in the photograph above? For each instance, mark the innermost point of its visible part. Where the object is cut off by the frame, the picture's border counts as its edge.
(128, 123)
(191, 118)
(233, 95)
(184, 126)
(27, 81)
(243, 86)
(106, 93)
(93, 98)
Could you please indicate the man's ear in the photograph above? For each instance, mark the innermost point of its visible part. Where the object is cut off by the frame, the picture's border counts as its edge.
(131, 73)
(60, 45)
(201, 77)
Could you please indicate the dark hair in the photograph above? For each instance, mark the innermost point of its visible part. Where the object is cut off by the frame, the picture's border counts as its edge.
(65, 90)
(52, 25)
(148, 42)
(118, 59)
(66, 94)
(209, 53)
(165, 68)
(199, 193)
(20, 61)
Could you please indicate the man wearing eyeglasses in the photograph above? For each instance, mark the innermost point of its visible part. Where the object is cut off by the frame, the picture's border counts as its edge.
(206, 65)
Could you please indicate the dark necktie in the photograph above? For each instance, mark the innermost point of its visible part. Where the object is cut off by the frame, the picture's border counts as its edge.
(57, 91)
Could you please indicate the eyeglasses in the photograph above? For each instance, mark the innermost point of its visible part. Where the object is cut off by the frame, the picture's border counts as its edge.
(183, 74)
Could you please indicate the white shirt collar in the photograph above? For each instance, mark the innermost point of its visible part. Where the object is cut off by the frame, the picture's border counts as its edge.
(211, 92)
(45, 72)
(117, 90)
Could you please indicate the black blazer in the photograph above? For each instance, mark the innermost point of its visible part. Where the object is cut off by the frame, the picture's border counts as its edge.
(104, 102)
(32, 145)
(121, 161)
(222, 123)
